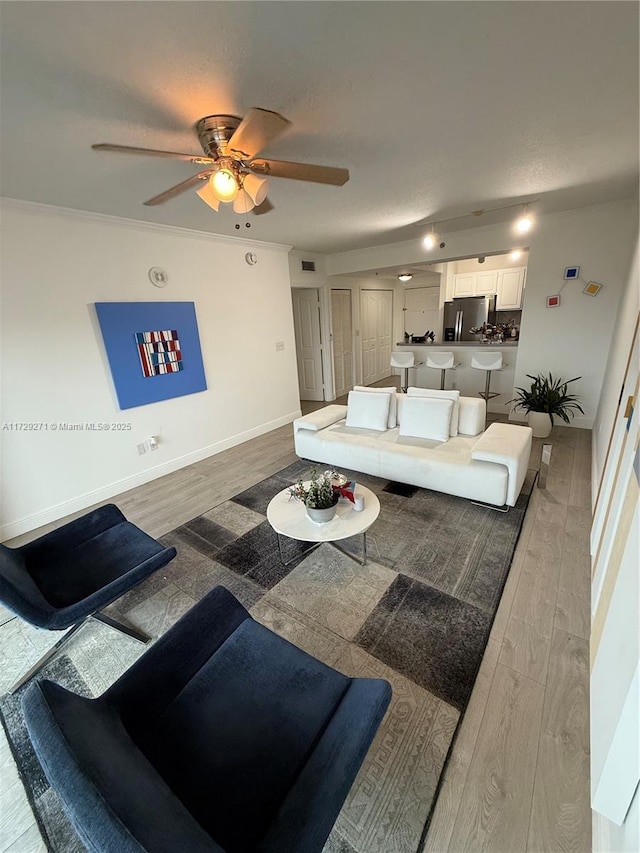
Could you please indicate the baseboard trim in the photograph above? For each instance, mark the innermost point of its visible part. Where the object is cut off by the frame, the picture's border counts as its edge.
(32, 522)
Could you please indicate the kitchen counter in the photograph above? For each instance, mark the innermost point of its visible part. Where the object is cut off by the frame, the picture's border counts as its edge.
(453, 344)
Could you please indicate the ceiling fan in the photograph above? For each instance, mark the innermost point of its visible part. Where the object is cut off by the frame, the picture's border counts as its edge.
(234, 173)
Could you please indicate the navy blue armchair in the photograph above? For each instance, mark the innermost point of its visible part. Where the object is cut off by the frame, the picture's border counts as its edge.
(65, 577)
(222, 737)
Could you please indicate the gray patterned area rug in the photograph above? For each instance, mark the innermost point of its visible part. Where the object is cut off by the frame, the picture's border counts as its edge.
(418, 614)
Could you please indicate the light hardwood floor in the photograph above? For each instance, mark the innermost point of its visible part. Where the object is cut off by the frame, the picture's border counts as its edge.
(517, 780)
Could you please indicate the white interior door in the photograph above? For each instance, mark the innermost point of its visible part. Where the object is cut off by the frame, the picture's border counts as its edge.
(306, 320)
(376, 308)
(342, 341)
(421, 310)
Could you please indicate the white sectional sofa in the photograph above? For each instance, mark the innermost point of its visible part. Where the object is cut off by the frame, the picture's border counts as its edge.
(484, 465)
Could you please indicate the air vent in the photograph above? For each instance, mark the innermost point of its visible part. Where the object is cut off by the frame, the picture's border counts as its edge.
(308, 266)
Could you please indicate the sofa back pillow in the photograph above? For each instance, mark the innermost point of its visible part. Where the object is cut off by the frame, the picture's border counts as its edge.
(441, 395)
(473, 414)
(393, 405)
(368, 411)
(426, 417)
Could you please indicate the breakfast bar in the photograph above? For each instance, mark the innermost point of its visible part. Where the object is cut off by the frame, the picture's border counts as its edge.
(468, 380)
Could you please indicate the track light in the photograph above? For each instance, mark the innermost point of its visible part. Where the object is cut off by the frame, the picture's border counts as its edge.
(405, 276)
(525, 222)
(522, 225)
(431, 240)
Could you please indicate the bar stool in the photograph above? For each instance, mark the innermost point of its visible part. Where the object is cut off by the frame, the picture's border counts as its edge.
(487, 361)
(441, 361)
(404, 361)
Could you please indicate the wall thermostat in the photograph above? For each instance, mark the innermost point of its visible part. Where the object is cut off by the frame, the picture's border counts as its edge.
(251, 258)
(158, 277)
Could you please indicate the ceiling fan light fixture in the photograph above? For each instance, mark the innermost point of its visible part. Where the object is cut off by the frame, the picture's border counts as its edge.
(224, 184)
(206, 194)
(243, 202)
(405, 276)
(256, 186)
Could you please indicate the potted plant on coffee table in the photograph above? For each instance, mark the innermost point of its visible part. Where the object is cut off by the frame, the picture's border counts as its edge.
(547, 398)
(319, 495)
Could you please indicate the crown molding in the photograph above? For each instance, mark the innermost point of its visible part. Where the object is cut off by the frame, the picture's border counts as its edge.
(38, 208)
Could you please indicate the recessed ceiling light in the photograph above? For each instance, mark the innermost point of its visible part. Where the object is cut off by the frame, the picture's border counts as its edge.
(405, 276)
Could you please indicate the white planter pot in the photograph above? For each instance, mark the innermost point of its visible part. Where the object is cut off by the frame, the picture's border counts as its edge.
(540, 423)
(321, 516)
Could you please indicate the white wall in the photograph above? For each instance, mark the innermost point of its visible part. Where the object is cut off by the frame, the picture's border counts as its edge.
(55, 264)
(572, 340)
(615, 653)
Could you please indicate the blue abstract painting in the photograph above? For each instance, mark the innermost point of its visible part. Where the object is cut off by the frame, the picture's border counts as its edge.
(153, 350)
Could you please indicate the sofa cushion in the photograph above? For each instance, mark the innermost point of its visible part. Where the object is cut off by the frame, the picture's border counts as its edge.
(367, 410)
(393, 401)
(442, 395)
(426, 417)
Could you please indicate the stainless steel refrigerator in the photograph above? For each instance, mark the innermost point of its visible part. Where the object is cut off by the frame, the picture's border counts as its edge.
(464, 314)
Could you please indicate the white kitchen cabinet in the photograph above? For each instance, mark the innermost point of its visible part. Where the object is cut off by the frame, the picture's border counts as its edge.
(510, 289)
(486, 283)
(464, 284)
(508, 284)
(475, 283)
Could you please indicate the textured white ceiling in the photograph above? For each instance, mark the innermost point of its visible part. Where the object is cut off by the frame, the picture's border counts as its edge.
(436, 108)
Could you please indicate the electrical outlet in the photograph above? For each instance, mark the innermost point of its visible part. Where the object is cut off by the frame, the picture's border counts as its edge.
(279, 346)
(141, 448)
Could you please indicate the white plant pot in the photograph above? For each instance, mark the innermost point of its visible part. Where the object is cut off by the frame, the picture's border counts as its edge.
(540, 423)
(321, 516)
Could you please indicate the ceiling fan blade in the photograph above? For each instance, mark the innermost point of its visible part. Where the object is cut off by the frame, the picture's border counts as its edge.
(300, 171)
(265, 207)
(152, 152)
(256, 130)
(179, 188)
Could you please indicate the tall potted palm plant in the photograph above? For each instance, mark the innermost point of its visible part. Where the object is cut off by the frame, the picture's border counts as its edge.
(547, 398)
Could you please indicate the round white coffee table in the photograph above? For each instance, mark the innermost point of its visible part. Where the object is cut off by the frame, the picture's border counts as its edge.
(289, 518)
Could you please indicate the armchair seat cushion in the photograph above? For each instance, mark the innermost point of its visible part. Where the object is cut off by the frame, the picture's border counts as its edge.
(241, 730)
(222, 738)
(61, 578)
(73, 575)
